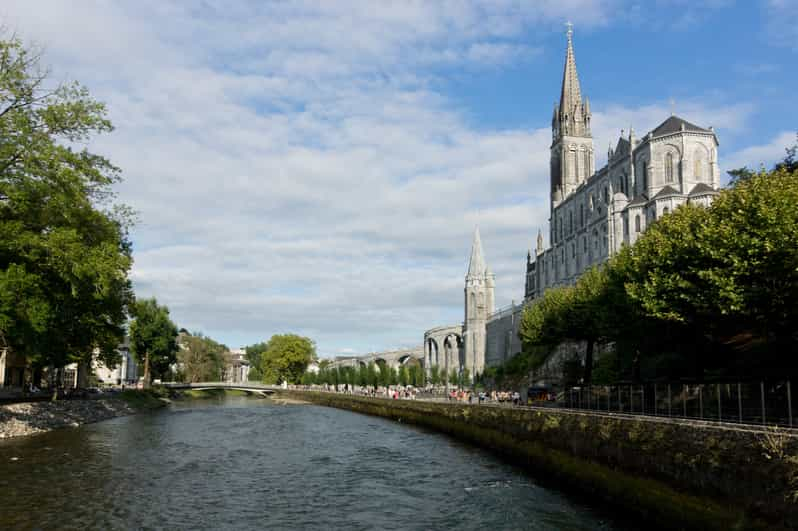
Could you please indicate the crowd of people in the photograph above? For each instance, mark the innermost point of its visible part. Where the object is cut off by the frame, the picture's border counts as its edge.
(400, 392)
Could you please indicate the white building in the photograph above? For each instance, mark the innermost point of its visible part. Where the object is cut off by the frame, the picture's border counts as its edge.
(124, 373)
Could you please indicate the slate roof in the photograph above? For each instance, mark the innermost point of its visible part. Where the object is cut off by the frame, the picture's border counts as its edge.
(674, 124)
(638, 201)
(667, 192)
(701, 189)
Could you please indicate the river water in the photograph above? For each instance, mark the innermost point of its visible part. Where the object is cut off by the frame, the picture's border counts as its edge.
(248, 463)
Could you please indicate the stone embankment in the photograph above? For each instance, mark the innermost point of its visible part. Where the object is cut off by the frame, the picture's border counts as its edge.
(30, 418)
(671, 474)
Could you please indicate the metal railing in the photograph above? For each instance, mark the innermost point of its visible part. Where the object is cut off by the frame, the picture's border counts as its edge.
(767, 403)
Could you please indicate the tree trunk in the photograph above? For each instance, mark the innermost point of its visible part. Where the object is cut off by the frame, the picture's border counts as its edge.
(588, 376)
(147, 370)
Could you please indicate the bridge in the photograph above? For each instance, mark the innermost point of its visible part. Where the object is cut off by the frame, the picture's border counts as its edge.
(250, 387)
(390, 358)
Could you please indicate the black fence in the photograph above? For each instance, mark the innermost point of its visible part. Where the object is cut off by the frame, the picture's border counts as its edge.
(750, 403)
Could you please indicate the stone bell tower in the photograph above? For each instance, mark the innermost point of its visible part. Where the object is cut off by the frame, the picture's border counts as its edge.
(479, 301)
(572, 158)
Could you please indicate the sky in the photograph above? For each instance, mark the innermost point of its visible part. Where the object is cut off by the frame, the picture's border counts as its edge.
(320, 167)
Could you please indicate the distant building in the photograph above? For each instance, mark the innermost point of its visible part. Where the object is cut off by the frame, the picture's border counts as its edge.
(237, 370)
(125, 372)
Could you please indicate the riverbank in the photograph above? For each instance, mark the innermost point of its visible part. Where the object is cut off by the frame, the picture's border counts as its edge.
(29, 418)
(672, 475)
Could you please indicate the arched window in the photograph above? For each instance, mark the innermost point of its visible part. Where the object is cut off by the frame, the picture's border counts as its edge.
(570, 222)
(584, 244)
(665, 210)
(637, 223)
(581, 215)
(698, 164)
(669, 168)
(626, 226)
(573, 250)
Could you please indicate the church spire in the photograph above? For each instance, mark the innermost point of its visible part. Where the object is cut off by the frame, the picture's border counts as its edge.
(476, 265)
(571, 96)
(574, 113)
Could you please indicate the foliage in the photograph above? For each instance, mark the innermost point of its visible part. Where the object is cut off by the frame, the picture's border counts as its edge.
(704, 292)
(64, 261)
(285, 358)
(253, 354)
(435, 375)
(202, 359)
(153, 338)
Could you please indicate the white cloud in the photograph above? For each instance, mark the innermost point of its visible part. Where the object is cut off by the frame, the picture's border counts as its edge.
(761, 155)
(296, 170)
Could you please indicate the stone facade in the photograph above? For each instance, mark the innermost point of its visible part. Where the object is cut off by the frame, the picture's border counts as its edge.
(593, 214)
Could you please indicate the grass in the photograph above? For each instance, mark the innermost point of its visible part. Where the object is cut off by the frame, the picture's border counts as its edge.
(143, 399)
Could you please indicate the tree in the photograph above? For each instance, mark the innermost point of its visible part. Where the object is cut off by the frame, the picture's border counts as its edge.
(404, 375)
(253, 354)
(202, 359)
(372, 374)
(454, 378)
(153, 338)
(434, 375)
(65, 254)
(286, 358)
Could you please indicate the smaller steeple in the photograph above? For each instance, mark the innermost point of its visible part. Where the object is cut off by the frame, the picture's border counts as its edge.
(476, 265)
(539, 249)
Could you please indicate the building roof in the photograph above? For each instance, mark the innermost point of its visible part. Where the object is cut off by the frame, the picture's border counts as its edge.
(638, 201)
(702, 189)
(668, 191)
(674, 124)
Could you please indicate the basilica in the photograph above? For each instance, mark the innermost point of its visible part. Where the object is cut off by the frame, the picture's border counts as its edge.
(593, 213)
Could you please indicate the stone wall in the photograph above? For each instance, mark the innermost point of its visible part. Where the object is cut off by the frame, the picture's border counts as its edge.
(502, 340)
(673, 474)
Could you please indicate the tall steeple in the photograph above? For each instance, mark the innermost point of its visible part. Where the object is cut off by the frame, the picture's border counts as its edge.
(571, 95)
(572, 159)
(574, 113)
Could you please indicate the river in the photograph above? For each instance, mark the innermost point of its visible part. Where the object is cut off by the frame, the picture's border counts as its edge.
(248, 463)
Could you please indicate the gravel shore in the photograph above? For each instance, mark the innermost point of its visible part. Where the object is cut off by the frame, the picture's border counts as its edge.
(29, 418)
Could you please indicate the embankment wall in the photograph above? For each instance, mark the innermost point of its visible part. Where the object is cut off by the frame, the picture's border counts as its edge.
(673, 474)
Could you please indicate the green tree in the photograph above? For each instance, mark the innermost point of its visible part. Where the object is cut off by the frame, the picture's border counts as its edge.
(254, 355)
(454, 378)
(434, 375)
(286, 358)
(404, 375)
(466, 377)
(372, 374)
(201, 358)
(153, 338)
(64, 248)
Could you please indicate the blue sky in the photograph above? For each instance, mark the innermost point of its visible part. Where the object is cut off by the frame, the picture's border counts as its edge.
(319, 167)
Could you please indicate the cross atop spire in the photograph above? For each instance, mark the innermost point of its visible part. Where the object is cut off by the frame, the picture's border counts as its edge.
(476, 265)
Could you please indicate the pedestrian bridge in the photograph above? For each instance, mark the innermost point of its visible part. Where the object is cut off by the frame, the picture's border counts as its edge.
(251, 387)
